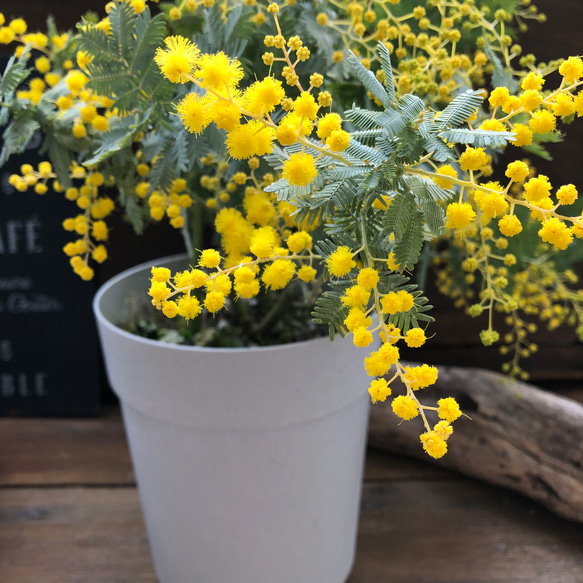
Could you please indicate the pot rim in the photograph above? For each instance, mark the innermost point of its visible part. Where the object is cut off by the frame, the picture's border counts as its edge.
(106, 322)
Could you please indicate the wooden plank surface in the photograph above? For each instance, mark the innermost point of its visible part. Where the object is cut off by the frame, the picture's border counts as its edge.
(64, 451)
(69, 513)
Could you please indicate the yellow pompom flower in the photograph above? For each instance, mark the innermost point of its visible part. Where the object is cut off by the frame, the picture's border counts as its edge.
(263, 96)
(338, 141)
(42, 64)
(75, 81)
(300, 169)
(499, 97)
(537, 188)
(406, 299)
(250, 139)
(340, 261)
(420, 377)
(517, 171)
(523, 135)
(6, 35)
(86, 273)
(509, 225)
(189, 307)
(362, 337)
(473, 159)
(433, 444)
(299, 241)
(18, 25)
(305, 106)
(225, 114)
(532, 81)
(405, 407)
(194, 113)
(459, 215)
(259, 208)
(214, 301)
(158, 291)
(379, 363)
(567, 194)
(357, 318)
(531, 99)
(415, 338)
(564, 105)
(209, 258)
(99, 254)
(247, 289)
(307, 273)
(328, 124)
(491, 204)
(218, 71)
(493, 125)
(391, 303)
(355, 296)
(448, 409)
(278, 274)
(170, 309)
(555, 232)
(179, 60)
(379, 390)
(542, 122)
(262, 241)
(99, 231)
(79, 130)
(368, 278)
(443, 429)
(572, 69)
(445, 170)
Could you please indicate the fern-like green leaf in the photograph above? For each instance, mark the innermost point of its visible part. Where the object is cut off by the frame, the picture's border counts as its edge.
(370, 82)
(434, 216)
(385, 59)
(122, 39)
(432, 144)
(60, 159)
(478, 138)
(15, 73)
(149, 36)
(425, 188)
(94, 41)
(460, 109)
(400, 214)
(408, 247)
(17, 136)
(363, 119)
(392, 123)
(411, 107)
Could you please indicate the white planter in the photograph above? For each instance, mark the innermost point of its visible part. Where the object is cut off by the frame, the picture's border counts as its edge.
(248, 461)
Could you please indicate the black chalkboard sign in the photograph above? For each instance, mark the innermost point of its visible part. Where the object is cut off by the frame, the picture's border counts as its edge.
(49, 355)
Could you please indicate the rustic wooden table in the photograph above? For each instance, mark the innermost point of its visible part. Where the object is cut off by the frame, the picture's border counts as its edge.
(69, 513)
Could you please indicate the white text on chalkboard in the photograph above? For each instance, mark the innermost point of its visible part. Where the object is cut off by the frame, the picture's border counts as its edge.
(23, 384)
(20, 236)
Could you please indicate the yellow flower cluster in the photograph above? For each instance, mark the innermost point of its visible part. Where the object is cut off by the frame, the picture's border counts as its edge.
(247, 114)
(88, 225)
(425, 41)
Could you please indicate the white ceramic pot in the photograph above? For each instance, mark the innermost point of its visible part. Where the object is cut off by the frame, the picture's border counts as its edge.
(248, 461)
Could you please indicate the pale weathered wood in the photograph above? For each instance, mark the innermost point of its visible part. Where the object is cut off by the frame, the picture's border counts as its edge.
(64, 451)
(411, 531)
(519, 436)
(73, 535)
(69, 452)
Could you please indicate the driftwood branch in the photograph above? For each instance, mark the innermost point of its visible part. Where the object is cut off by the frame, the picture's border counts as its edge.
(519, 436)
